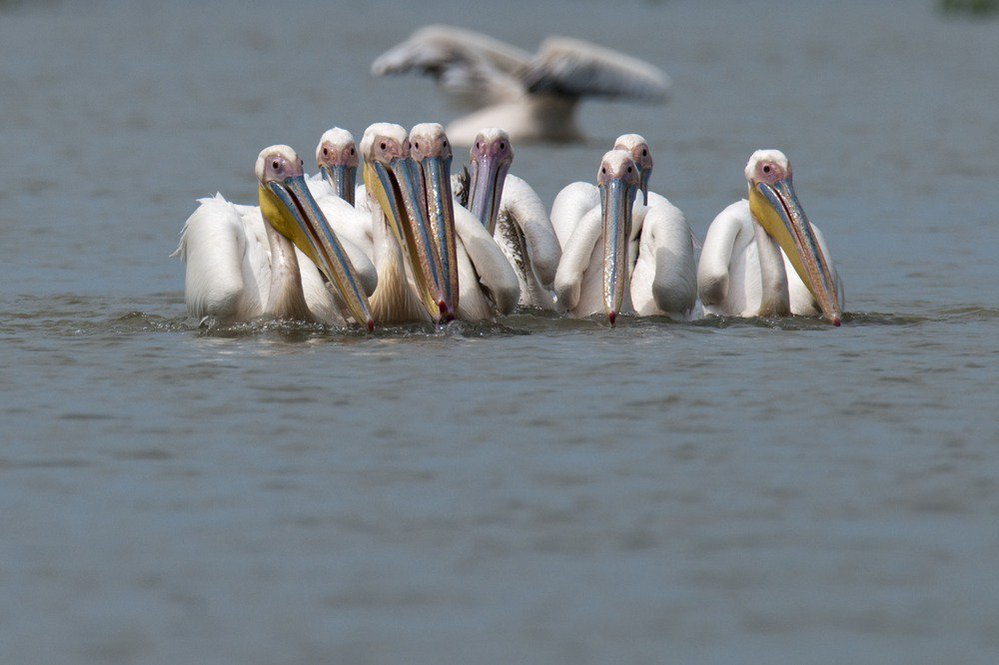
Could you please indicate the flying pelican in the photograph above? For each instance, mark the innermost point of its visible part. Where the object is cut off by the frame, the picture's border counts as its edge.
(411, 278)
(230, 275)
(484, 280)
(743, 270)
(533, 97)
(646, 265)
(514, 214)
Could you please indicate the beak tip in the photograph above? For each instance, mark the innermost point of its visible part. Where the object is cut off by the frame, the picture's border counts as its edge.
(371, 326)
(612, 316)
(836, 321)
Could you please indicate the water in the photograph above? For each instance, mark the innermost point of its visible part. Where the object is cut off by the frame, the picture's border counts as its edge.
(535, 490)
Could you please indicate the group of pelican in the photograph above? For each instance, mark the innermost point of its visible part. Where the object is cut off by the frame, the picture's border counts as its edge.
(414, 243)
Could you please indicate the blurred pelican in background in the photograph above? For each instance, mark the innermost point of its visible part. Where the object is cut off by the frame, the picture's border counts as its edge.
(532, 97)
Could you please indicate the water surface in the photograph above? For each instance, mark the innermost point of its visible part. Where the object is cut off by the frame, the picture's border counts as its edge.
(534, 490)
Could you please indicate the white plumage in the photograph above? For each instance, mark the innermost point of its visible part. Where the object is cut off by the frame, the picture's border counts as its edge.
(660, 272)
(239, 268)
(745, 268)
(531, 97)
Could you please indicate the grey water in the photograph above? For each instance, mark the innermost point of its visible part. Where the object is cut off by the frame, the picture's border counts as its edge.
(534, 490)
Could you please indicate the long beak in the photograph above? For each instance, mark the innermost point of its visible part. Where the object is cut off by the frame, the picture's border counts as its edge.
(291, 206)
(778, 209)
(616, 200)
(399, 190)
(646, 174)
(488, 174)
(440, 209)
(342, 178)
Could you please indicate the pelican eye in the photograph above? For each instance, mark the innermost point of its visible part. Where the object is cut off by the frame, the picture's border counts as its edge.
(629, 169)
(276, 164)
(645, 152)
(445, 143)
(416, 145)
(502, 146)
(478, 146)
(603, 169)
(326, 152)
(382, 146)
(766, 168)
(352, 150)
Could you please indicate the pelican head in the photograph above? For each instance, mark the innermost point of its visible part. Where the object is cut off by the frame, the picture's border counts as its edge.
(288, 206)
(395, 180)
(641, 153)
(775, 206)
(430, 149)
(618, 180)
(491, 157)
(336, 156)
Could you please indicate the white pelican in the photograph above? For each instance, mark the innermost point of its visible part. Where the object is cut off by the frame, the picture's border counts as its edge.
(514, 214)
(484, 280)
(334, 188)
(231, 276)
(743, 270)
(532, 97)
(336, 156)
(578, 198)
(411, 278)
(646, 265)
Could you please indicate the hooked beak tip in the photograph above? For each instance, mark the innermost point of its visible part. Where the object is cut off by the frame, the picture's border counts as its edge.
(371, 326)
(836, 321)
(612, 316)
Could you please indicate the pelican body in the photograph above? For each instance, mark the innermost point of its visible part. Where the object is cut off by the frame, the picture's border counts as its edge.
(476, 268)
(646, 265)
(413, 284)
(513, 213)
(762, 257)
(534, 98)
(232, 277)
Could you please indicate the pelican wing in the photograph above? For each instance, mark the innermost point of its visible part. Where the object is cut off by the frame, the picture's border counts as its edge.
(667, 235)
(227, 269)
(574, 68)
(576, 256)
(522, 207)
(495, 273)
(469, 65)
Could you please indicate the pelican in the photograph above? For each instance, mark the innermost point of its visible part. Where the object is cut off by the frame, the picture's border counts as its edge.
(334, 188)
(514, 214)
(578, 198)
(476, 267)
(762, 257)
(646, 265)
(231, 276)
(336, 156)
(533, 97)
(412, 284)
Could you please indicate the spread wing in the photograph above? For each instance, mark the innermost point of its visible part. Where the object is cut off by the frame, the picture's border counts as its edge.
(475, 68)
(575, 68)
